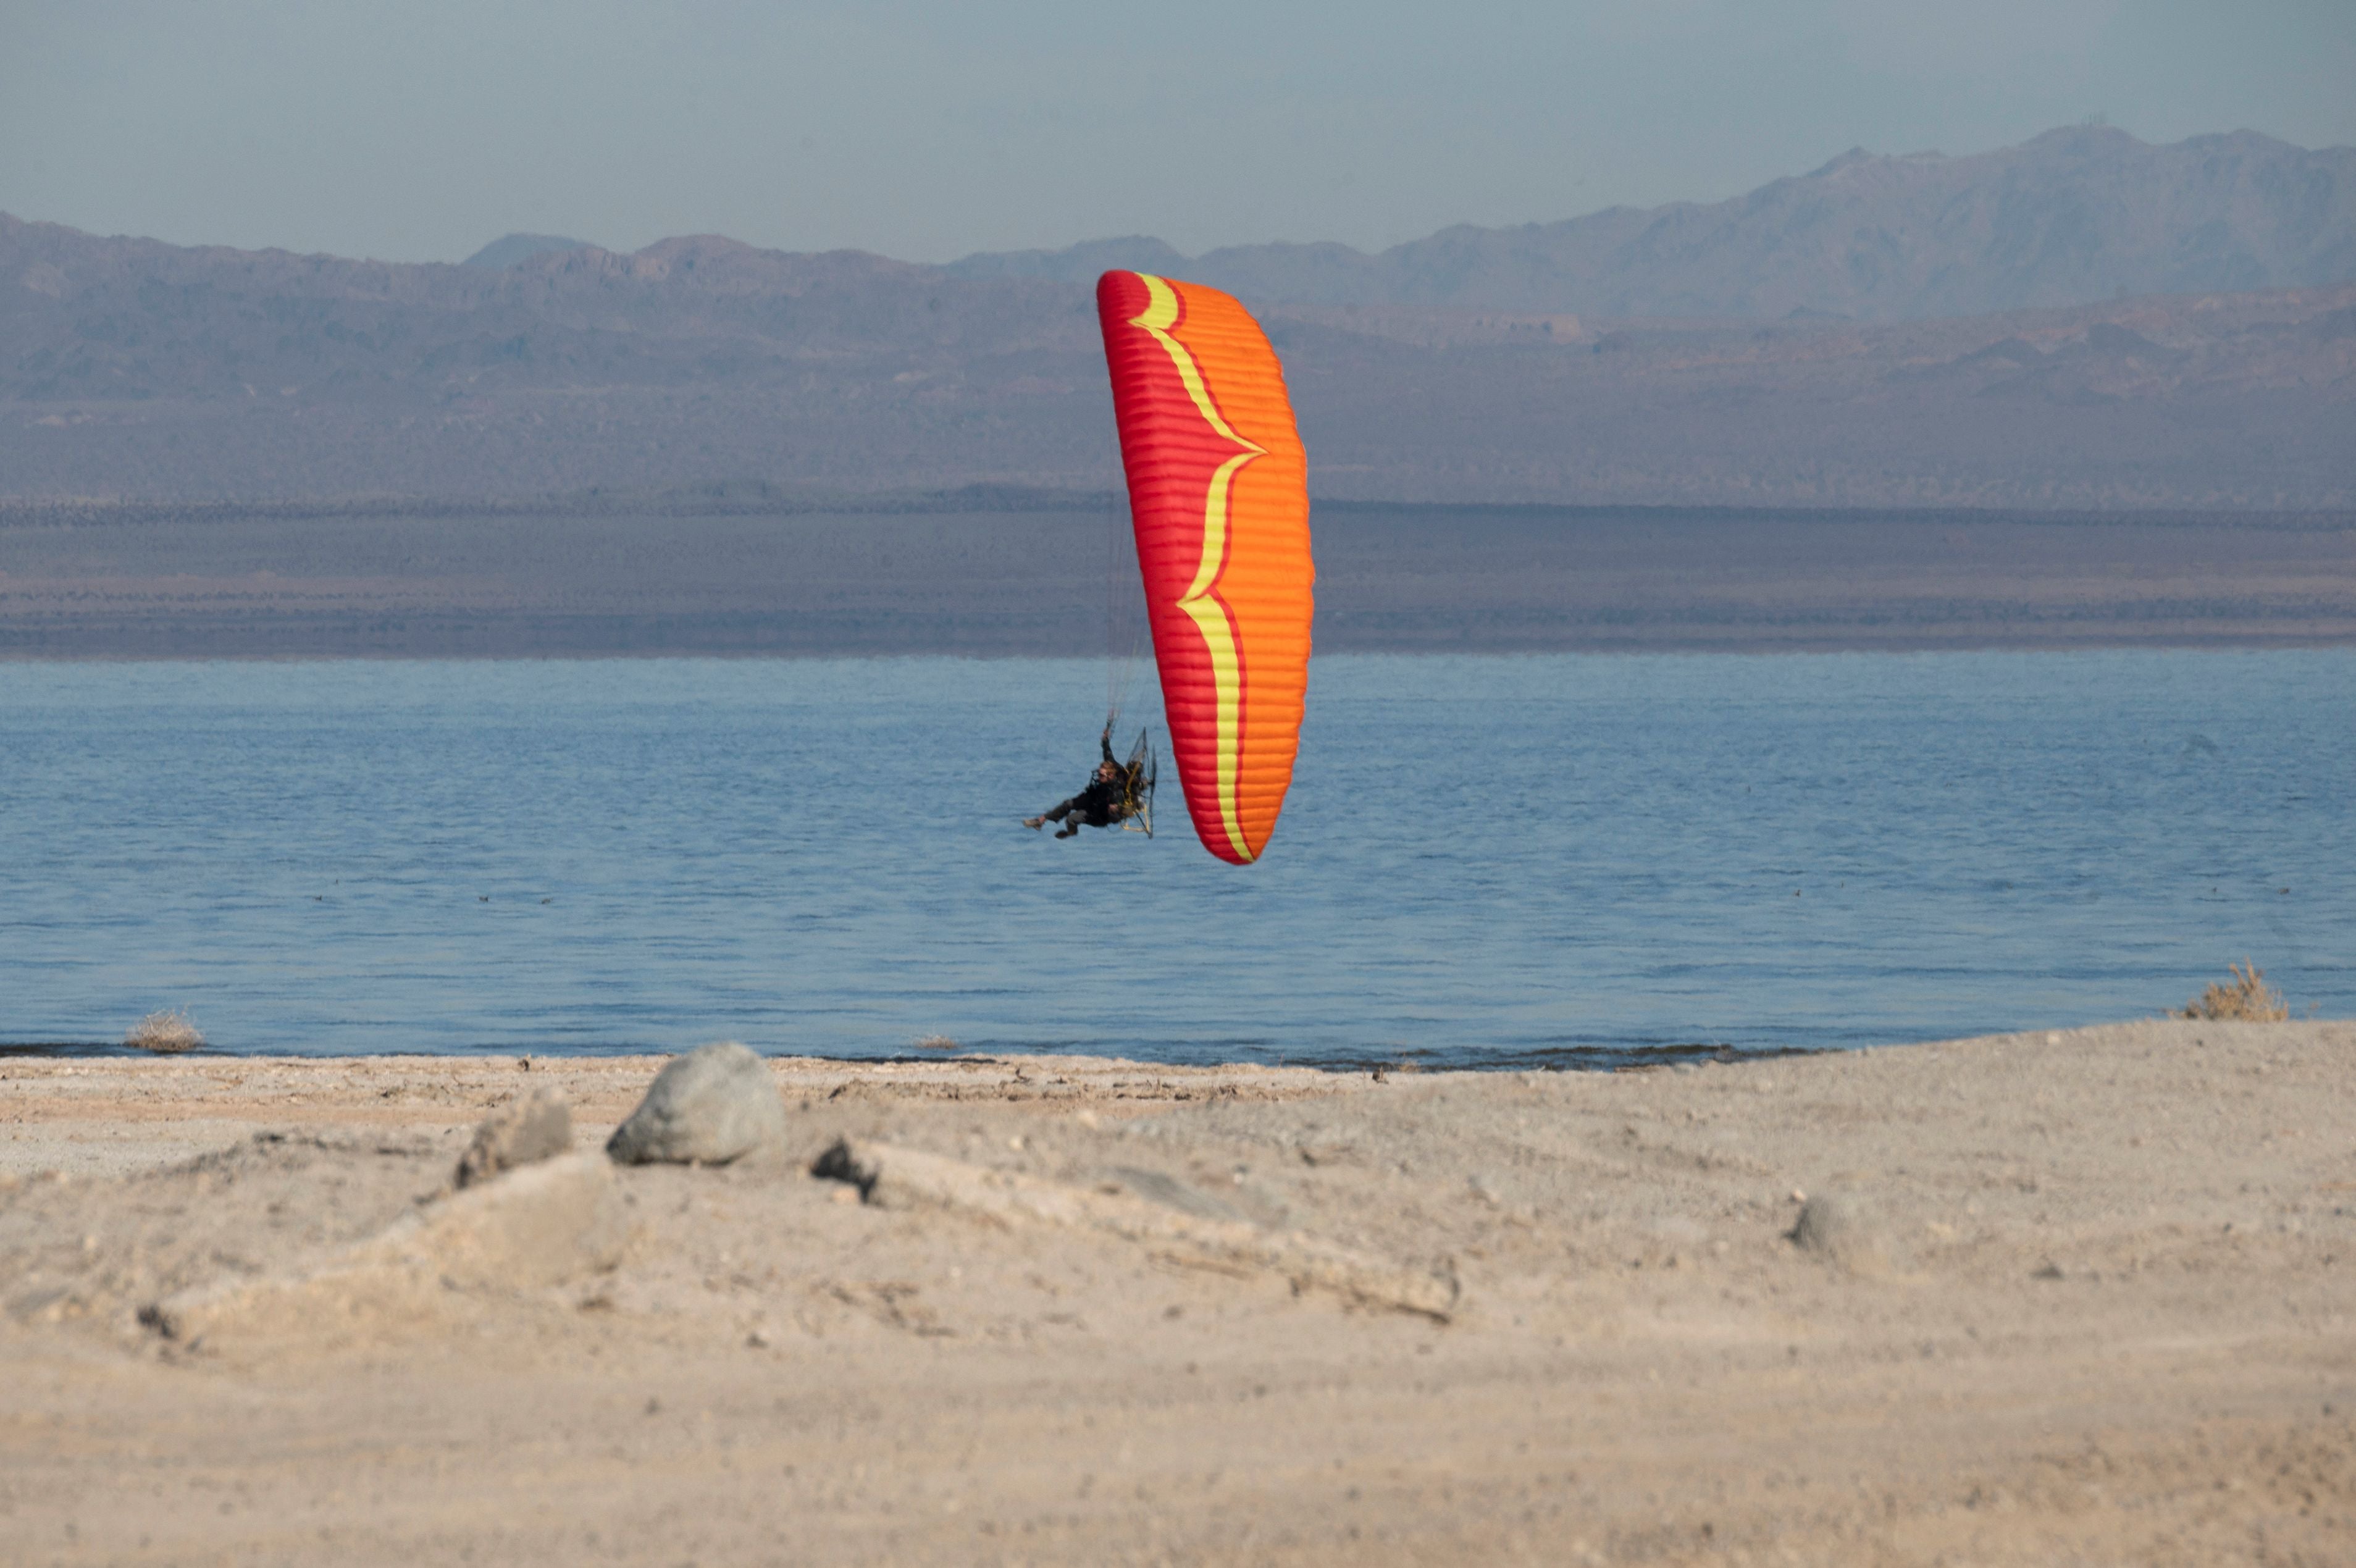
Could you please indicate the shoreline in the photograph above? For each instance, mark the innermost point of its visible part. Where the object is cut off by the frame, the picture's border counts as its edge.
(2074, 1293)
(2229, 641)
(1022, 584)
(1466, 1060)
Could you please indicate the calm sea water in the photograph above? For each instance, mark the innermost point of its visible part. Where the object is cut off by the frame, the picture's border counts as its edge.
(1484, 861)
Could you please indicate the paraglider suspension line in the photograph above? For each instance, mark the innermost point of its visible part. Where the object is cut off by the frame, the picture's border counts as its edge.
(1125, 628)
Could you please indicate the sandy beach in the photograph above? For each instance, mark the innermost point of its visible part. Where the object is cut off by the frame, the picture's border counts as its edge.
(2081, 1296)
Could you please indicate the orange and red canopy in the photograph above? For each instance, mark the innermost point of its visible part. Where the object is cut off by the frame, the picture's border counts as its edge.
(1219, 488)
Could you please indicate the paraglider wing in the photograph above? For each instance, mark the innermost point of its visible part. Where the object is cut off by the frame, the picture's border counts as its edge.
(1218, 487)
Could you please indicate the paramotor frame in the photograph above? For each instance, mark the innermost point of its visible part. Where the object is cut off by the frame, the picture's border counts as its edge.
(1137, 785)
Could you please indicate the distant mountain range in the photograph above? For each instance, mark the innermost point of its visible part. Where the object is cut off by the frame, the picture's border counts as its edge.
(2071, 217)
(134, 368)
(508, 249)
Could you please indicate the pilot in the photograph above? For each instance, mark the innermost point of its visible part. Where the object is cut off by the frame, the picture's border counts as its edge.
(1101, 803)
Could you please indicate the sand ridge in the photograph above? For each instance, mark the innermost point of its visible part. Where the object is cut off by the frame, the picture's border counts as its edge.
(2099, 1312)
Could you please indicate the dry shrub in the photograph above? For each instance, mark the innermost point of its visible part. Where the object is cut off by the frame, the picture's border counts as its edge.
(2248, 997)
(164, 1033)
(934, 1042)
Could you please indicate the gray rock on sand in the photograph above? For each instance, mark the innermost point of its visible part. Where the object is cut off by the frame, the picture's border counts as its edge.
(714, 1104)
(526, 1130)
(1843, 1228)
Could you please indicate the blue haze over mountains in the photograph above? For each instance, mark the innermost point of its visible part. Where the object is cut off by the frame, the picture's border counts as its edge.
(2076, 215)
(2083, 320)
(2072, 216)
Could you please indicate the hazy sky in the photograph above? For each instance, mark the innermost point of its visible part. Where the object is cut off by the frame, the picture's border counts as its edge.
(925, 128)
